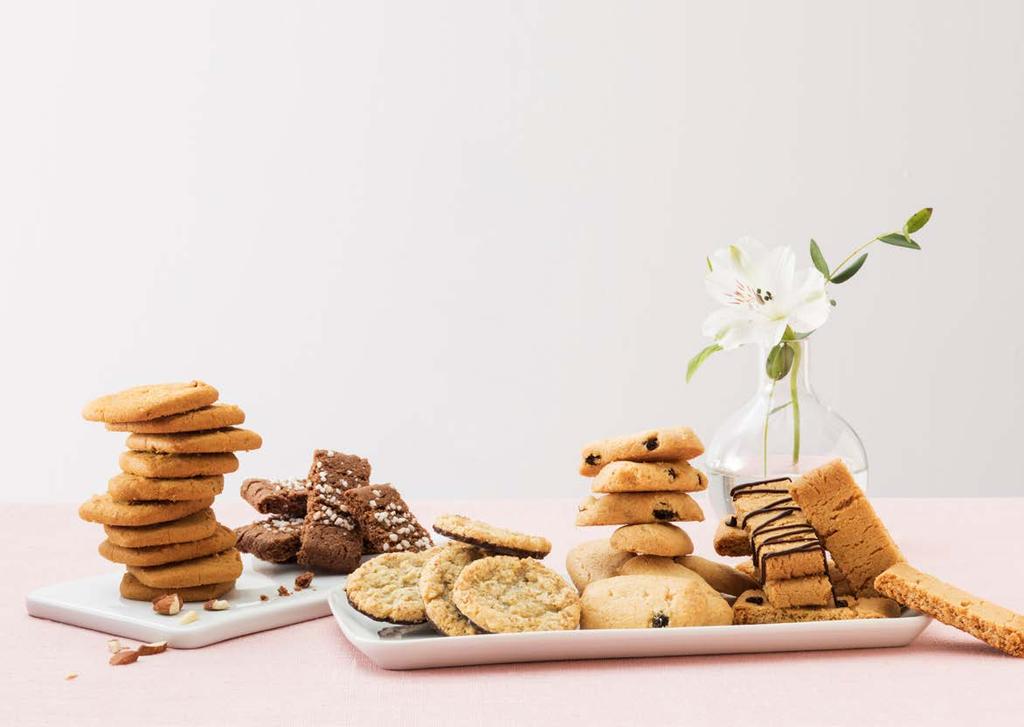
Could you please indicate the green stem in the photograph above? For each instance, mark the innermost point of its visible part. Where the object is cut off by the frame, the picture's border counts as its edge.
(771, 395)
(796, 403)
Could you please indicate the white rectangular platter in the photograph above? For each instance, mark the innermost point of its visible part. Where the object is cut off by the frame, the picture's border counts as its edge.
(427, 650)
(94, 603)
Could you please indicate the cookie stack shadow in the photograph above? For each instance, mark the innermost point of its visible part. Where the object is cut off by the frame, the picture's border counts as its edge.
(156, 513)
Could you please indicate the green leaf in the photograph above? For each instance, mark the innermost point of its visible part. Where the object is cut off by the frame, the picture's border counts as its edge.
(917, 221)
(899, 240)
(818, 259)
(780, 361)
(791, 335)
(850, 270)
(710, 268)
(696, 361)
(780, 407)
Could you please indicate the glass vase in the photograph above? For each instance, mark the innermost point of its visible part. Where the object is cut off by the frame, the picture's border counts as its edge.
(784, 430)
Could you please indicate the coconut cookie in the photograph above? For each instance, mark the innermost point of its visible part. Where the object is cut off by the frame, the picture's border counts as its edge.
(652, 539)
(200, 525)
(143, 403)
(494, 539)
(723, 578)
(152, 464)
(627, 508)
(753, 607)
(645, 601)
(276, 539)
(103, 509)
(655, 445)
(215, 416)
(436, 582)
(229, 439)
(133, 589)
(386, 521)
(277, 497)
(222, 539)
(503, 594)
(678, 476)
(387, 588)
(127, 488)
(219, 568)
(593, 560)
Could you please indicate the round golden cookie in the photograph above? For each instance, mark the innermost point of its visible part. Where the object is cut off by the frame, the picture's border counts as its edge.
(386, 588)
(643, 601)
(222, 539)
(436, 580)
(200, 525)
(626, 508)
(655, 565)
(133, 590)
(103, 509)
(593, 560)
(678, 476)
(215, 416)
(720, 576)
(152, 464)
(505, 594)
(126, 488)
(219, 568)
(652, 539)
(208, 442)
(142, 403)
(494, 539)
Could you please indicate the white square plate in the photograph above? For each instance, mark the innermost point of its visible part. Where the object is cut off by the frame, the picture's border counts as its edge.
(429, 650)
(94, 603)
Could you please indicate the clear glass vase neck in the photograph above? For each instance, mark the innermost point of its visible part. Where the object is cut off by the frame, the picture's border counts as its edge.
(801, 368)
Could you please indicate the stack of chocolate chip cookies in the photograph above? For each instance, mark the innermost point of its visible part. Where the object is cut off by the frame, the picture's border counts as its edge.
(330, 519)
(156, 512)
(643, 481)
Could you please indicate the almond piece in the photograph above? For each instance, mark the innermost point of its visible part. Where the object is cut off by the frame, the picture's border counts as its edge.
(71, 675)
(124, 656)
(157, 647)
(303, 580)
(282, 591)
(113, 646)
(168, 605)
(188, 617)
(216, 604)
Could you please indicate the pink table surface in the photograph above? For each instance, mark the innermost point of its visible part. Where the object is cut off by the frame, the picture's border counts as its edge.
(309, 674)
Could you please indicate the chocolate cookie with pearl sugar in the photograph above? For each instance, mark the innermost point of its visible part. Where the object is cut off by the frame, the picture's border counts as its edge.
(388, 524)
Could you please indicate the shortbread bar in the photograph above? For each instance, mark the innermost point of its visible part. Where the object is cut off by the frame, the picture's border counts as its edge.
(752, 607)
(797, 592)
(731, 540)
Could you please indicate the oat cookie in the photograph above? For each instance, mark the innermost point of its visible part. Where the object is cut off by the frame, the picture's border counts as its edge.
(219, 568)
(214, 416)
(127, 488)
(489, 537)
(229, 439)
(143, 403)
(386, 521)
(436, 582)
(593, 560)
(644, 601)
(387, 588)
(193, 527)
(331, 537)
(103, 509)
(134, 590)
(655, 445)
(276, 539)
(222, 539)
(338, 470)
(652, 539)
(628, 508)
(752, 607)
(720, 576)
(276, 497)
(151, 464)
(503, 594)
(679, 476)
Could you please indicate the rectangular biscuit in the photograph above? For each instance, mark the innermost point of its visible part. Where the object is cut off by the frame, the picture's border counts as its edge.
(995, 625)
(276, 497)
(730, 540)
(783, 543)
(753, 607)
(798, 592)
(387, 523)
(858, 541)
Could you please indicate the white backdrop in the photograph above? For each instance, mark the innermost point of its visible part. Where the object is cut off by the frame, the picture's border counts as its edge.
(465, 238)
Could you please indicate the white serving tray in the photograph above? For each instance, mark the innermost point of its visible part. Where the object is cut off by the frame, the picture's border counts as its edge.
(429, 650)
(94, 603)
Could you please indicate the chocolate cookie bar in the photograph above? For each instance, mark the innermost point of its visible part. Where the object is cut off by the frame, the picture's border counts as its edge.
(833, 503)
(783, 543)
(753, 607)
(331, 537)
(276, 497)
(338, 470)
(387, 523)
(276, 539)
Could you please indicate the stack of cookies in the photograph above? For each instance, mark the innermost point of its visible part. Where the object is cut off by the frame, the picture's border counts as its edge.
(643, 483)
(330, 519)
(156, 512)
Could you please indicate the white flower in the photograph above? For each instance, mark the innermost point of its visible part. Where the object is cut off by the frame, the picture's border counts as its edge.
(762, 293)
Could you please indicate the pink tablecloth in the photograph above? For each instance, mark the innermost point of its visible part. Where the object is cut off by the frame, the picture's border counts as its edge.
(309, 674)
